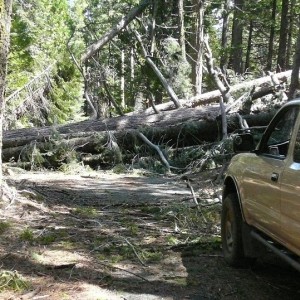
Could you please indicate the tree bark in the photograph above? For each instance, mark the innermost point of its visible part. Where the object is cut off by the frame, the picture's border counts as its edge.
(5, 24)
(281, 59)
(108, 36)
(199, 47)
(153, 25)
(236, 58)
(224, 42)
(271, 38)
(181, 29)
(295, 84)
(225, 93)
(249, 46)
(181, 127)
(290, 34)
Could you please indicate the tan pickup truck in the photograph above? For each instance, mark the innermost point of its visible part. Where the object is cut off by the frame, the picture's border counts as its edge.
(261, 195)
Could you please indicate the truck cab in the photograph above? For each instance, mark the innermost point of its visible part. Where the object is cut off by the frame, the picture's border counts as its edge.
(261, 193)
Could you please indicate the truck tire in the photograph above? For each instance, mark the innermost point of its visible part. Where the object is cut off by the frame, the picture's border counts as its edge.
(231, 232)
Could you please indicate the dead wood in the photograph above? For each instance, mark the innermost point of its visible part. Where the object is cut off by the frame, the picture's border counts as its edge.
(224, 90)
(177, 128)
(121, 269)
(156, 148)
(182, 127)
(263, 86)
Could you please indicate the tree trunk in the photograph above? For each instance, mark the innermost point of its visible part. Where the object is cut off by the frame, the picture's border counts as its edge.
(224, 42)
(153, 25)
(295, 84)
(247, 62)
(236, 59)
(292, 16)
(199, 46)
(108, 36)
(5, 24)
(272, 34)
(281, 59)
(181, 29)
(181, 127)
(122, 81)
(264, 86)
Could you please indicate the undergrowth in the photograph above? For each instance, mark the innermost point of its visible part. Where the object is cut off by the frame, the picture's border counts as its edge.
(12, 280)
(60, 154)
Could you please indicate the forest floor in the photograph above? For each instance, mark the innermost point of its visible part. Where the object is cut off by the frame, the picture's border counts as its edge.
(134, 236)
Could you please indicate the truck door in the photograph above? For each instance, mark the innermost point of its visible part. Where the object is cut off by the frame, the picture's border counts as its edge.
(290, 199)
(263, 175)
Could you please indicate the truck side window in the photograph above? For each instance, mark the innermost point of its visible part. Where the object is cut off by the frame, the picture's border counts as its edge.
(279, 138)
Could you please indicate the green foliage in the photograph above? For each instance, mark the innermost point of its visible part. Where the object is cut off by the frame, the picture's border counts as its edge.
(4, 226)
(190, 219)
(43, 239)
(40, 34)
(177, 70)
(86, 212)
(27, 235)
(119, 168)
(65, 100)
(12, 280)
(36, 158)
(152, 255)
(47, 239)
(56, 153)
(74, 167)
(116, 253)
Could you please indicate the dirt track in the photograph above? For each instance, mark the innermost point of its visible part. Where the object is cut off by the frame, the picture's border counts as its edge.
(107, 236)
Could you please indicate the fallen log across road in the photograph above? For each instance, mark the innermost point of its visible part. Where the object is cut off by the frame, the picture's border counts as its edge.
(179, 128)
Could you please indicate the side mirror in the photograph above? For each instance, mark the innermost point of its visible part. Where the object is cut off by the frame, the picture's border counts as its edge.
(243, 143)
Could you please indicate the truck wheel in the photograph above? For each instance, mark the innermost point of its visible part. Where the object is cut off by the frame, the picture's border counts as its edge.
(231, 232)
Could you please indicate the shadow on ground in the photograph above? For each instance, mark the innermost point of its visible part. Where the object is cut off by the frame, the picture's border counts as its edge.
(112, 234)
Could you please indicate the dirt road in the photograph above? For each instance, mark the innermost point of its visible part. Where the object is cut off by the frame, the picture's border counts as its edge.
(128, 236)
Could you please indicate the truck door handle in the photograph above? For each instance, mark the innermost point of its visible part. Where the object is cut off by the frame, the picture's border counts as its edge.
(274, 177)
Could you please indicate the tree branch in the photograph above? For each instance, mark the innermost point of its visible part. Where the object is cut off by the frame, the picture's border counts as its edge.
(161, 77)
(155, 147)
(225, 94)
(94, 48)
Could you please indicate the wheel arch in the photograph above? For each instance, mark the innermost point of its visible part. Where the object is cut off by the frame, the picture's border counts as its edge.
(230, 187)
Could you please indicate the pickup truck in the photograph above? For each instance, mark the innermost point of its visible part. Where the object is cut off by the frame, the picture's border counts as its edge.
(261, 193)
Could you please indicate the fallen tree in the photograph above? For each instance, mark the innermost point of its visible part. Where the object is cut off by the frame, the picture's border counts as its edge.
(178, 128)
(263, 86)
(121, 136)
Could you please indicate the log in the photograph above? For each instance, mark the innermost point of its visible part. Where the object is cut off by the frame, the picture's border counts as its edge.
(21, 137)
(263, 86)
(178, 128)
